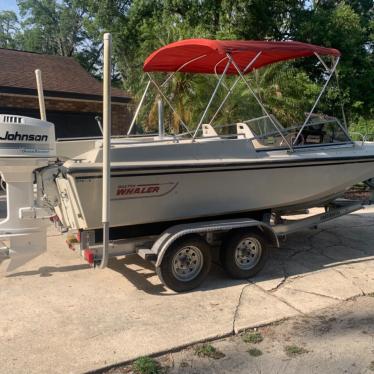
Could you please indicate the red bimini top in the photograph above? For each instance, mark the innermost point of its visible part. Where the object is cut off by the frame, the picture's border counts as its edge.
(209, 56)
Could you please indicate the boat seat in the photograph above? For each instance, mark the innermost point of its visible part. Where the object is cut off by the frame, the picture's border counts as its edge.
(244, 131)
(208, 130)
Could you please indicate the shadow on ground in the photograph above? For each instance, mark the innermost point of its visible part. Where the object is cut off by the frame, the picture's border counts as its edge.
(347, 240)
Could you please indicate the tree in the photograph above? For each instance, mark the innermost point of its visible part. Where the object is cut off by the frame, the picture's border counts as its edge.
(61, 27)
(51, 26)
(346, 26)
(139, 27)
(75, 28)
(9, 30)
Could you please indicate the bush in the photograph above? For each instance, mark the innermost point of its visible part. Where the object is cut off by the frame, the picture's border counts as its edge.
(363, 126)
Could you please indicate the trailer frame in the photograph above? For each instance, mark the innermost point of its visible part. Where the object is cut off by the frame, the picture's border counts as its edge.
(214, 232)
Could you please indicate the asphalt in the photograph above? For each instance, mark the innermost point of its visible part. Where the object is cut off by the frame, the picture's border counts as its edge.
(58, 315)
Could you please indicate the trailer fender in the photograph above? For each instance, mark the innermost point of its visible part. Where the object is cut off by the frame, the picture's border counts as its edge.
(175, 232)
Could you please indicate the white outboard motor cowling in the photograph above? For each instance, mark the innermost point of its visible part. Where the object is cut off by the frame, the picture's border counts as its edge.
(26, 137)
(26, 144)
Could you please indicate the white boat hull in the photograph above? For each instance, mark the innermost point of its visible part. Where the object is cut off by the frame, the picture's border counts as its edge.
(147, 194)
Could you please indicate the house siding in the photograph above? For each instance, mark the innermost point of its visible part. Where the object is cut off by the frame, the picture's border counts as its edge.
(63, 111)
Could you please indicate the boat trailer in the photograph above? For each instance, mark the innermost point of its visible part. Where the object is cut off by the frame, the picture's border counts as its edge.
(255, 238)
(181, 253)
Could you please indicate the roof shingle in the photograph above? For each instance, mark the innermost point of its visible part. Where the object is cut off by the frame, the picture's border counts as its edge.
(61, 75)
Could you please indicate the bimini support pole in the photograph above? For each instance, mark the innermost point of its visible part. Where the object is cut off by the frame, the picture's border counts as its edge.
(261, 104)
(39, 85)
(212, 97)
(106, 147)
(331, 73)
(230, 90)
(168, 103)
(138, 108)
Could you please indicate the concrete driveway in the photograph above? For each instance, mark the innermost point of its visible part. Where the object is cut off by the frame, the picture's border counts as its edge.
(334, 340)
(58, 315)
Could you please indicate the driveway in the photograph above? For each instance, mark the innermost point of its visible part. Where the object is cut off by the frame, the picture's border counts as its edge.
(335, 340)
(58, 315)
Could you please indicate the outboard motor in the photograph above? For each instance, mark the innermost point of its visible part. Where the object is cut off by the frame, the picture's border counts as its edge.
(26, 144)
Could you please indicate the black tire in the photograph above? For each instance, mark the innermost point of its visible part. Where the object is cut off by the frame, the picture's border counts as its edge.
(168, 273)
(250, 264)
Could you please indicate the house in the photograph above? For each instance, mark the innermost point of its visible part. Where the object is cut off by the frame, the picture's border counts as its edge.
(73, 97)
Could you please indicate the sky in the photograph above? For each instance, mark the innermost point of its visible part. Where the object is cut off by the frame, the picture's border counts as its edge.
(8, 5)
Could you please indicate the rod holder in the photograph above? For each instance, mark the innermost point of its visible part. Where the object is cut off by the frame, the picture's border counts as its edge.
(39, 85)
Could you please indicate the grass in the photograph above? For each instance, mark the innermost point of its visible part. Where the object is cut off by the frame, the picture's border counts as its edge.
(252, 337)
(207, 350)
(294, 350)
(254, 352)
(146, 365)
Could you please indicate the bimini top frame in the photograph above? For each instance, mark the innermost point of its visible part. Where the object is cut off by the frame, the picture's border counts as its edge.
(227, 57)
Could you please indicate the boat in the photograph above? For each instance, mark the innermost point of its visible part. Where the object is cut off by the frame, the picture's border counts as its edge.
(169, 197)
(163, 178)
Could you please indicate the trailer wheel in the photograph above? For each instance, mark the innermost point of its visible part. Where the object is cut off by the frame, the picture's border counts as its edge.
(244, 254)
(185, 264)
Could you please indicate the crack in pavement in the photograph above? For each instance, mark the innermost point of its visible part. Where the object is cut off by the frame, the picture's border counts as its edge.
(297, 251)
(238, 306)
(289, 279)
(350, 280)
(314, 293)
(278, 298)
(322, 253)
(315, 245)
(234, 330)
(279, 285)
(314, 248)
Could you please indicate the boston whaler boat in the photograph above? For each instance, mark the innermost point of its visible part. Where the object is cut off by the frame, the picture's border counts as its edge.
(170, 198)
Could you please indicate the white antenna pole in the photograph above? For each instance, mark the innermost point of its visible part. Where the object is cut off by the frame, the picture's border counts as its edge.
(39, 85)
(107, 121)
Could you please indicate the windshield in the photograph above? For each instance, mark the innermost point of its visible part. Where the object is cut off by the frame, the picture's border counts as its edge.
(320, 130)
